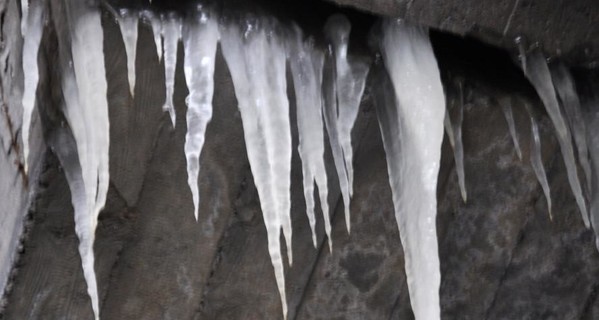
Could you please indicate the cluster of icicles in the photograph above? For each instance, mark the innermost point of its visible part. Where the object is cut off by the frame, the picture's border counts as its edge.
(328, 86)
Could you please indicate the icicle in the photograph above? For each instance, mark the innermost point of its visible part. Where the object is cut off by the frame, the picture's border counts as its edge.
(24, 16)
(538, 74)
(171, 33)
(350, 78)
(256, 59)
(536, 159)
(564, 84)
(200, 36)
(128, 23)
(306, 67)
(454, 134)
(33, 36)
(506, 107)
(84, 90)
(414, 130)
(156, 24)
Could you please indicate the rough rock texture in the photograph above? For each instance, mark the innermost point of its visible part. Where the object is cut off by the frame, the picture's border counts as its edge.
(567, 29)
(501, 256)
(15, 184)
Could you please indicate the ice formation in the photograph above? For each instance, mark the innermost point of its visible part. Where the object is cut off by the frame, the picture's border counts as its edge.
(538, 73)
(255, 55)
(171, 33)
(86, 110)
(506, 107)
(306, 64)
(414, 133)
(156, 24)
(564, 85)
(342, 108)
(200, 37)
(32, 28)
(536, 159)
(454, 134)
(128, 24)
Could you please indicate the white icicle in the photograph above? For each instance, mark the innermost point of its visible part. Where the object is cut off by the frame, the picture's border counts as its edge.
(350, 79)
(536, 159)
(413, 155)
(538, 74)
(506, 107)
(128, 24)
(33, 36)
(156, 24)
(200, 37)
(24, 16)
(256, 57)
(564, 85)
(171, 33)
(306, 67)
(84, 90)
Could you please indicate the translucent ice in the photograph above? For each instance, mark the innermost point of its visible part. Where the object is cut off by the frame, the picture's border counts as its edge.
(128, 21)
(506, 107)
(537, 72)
(414, 133)
(33, 30)
(536, 159)
(349, 81)
(306, 63)
(200, 37)
(255, 54)
(171, 33)
(564, 85)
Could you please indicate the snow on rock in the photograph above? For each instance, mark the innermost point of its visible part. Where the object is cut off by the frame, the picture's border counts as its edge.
(412, 137)
(342, 108)
(306, 62)
(32, 28)
(538, 74)
(200, 37)
(128, 22)
(255, 54)
(171, 33)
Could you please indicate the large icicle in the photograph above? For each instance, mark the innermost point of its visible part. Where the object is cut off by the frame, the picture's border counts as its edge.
(306, 67)
(171, 33)
(33, 35)
(536, 159)
(349, 82)
(564, 84)
(128, 22)
(256, 57)
(506, 107)
(84, 89)
(200, 36)
(414, 133)
(537, 72)
(454, 134)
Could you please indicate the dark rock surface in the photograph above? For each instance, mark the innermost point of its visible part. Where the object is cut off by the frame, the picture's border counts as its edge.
(501, 256)
(567, 29)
